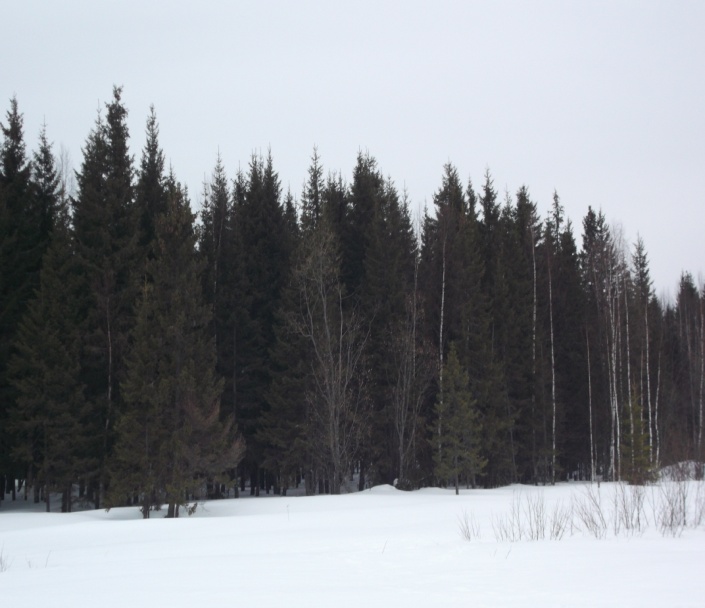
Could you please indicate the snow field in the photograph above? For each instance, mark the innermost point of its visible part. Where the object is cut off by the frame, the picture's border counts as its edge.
(380, 547)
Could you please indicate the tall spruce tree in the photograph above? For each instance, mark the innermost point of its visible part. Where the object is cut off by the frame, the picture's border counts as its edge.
(449, 275)
(387, 283)
(390, 266)
(286, 429)
(564, 315)
(47, 321)
(498, 418)
(605, 281)
(106, 230)
(217, 246)
(171, 441)
(642, 332)
(516, 336)
(21, 249)
(50, 419)
(264, 264)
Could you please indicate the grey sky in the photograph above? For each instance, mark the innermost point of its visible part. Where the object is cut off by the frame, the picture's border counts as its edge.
(602, 101)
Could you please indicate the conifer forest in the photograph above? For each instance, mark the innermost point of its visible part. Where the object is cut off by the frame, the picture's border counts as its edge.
(319, 339)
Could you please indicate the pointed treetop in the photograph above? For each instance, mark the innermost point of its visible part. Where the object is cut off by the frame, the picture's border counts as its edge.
(312, 195)
(152, 154)
(451, 195)
(13, 159)
(488, 200)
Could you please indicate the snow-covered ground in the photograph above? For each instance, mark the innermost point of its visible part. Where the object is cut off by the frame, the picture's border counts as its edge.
(381, 547)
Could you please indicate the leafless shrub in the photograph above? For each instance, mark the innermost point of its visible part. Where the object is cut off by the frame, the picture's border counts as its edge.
(469, 526)
(629, 514)
(590, 513)
(508, 527)
(503, 530)
(561, 519)
(535, 516)
(4, 561)
(699, 505)
(678, 505)
(528, 518)
(670, 506)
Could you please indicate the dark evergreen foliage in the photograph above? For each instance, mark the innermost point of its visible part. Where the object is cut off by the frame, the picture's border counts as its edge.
(264, 252)
(150, 192)
(170, 440)
(342, 342)
(51, 418)
(106, 231)
(26, 214)
(457, 432)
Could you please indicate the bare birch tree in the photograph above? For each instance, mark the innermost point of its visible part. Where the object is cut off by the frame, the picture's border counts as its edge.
(337, 338)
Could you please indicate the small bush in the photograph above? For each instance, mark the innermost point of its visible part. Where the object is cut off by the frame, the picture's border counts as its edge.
(469, 526)
(535, 516)
(4, 561)
(561, 521)
(529, 519)
(629, 512)
(670, 506)
(590, 513)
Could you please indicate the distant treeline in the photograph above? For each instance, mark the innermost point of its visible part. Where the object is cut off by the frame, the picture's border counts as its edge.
(147, 359)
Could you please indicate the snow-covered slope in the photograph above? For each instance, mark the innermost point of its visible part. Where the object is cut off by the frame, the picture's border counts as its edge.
(381, 547)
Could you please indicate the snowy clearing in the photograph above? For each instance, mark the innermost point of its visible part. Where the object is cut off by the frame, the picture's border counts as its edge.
(380, 547)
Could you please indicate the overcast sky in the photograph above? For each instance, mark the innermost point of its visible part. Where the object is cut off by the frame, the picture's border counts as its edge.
(603, 102)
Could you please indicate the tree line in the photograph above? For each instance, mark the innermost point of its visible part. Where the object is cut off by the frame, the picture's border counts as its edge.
(147, 358)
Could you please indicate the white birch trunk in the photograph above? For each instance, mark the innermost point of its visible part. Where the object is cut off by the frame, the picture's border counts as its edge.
(629, 374)
(656, 400)
(440, 348)
(533, 355)
(553, 378)
(648, 383)
(702, 373)
(592, 443)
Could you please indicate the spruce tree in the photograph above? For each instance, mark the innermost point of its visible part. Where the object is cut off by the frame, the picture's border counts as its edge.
(498, 415)
(217, 247)
(312, 195)
(336, 204)
(459, 431)
(521, 232)
(388, 285)
(150, 194)
(46, 191)
(50, 419)
(644, 347)
(599, 274)
(106, 230)
(573, 421)
(366, 191)
(21, 249)
(285, 430)
(170, 438)
(263, 269)
(450, 272)
(637, 468)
